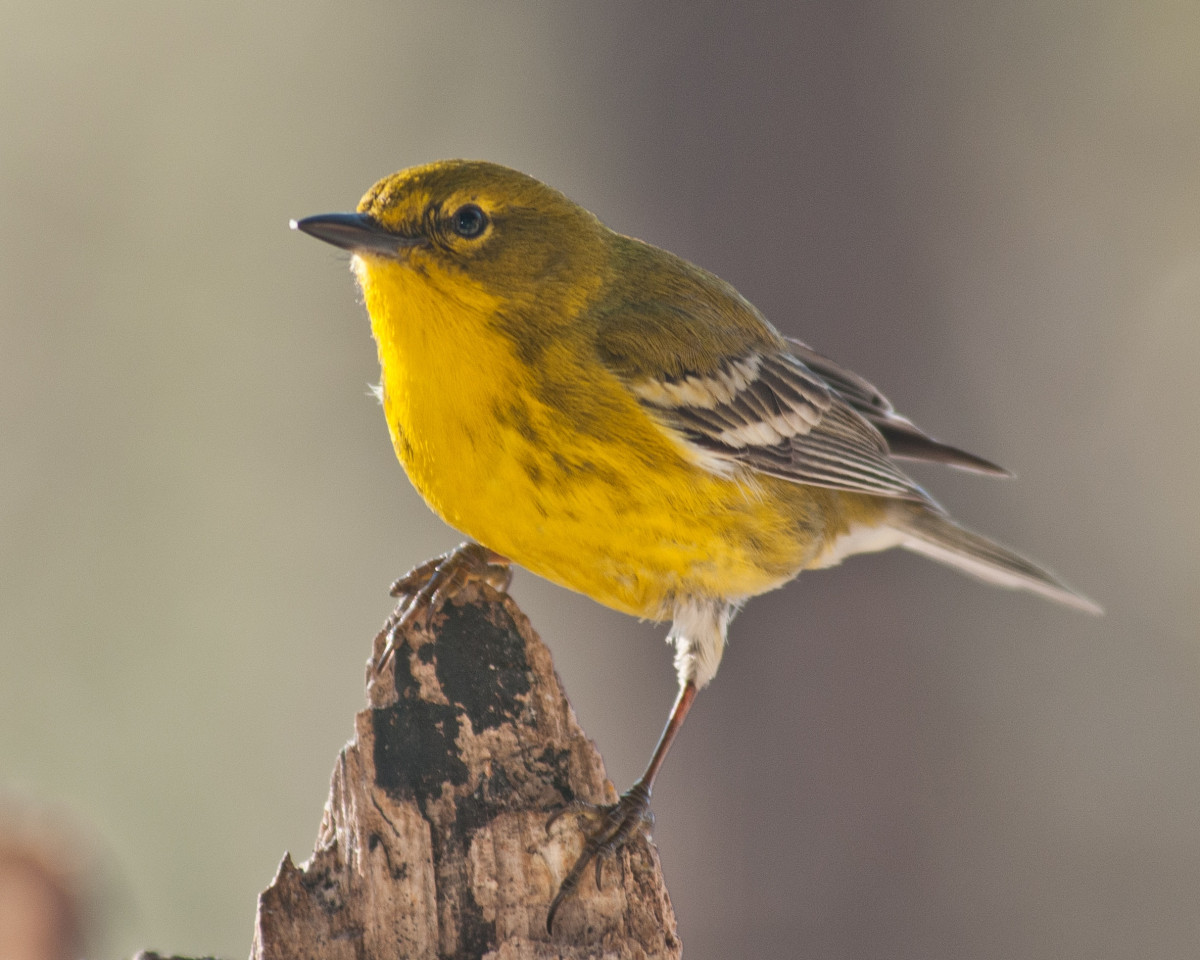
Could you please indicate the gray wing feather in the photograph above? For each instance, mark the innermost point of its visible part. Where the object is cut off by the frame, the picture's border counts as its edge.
(782, 420)
(904, 439)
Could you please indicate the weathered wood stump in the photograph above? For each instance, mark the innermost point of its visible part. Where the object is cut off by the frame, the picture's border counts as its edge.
(434, 842)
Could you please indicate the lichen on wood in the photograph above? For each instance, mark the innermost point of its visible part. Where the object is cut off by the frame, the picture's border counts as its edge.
(434, 840)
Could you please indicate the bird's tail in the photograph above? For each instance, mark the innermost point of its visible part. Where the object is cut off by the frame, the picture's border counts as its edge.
(928, 531)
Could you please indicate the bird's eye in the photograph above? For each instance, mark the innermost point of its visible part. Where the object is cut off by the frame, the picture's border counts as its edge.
(469, 221)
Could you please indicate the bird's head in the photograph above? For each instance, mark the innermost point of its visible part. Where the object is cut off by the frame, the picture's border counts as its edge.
(474, 232)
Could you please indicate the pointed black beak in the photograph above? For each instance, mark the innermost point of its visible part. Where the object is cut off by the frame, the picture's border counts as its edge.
(356, 232)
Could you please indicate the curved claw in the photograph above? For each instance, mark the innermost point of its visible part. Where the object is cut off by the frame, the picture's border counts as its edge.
(434, 582)
(600, 858)
(618, 823)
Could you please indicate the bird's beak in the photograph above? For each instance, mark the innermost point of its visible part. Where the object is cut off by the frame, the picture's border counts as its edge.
(356, 232)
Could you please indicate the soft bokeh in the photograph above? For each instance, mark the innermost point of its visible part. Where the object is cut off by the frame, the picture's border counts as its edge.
(992, 210)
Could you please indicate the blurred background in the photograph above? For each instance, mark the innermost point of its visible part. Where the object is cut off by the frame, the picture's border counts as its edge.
(991, 210)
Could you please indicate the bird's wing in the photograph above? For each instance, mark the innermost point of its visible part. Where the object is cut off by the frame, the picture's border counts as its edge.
(713, 372)
(768, 411)
(709, 368)
(904, 439)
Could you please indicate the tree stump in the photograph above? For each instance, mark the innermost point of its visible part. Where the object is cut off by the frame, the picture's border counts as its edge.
(434, 841)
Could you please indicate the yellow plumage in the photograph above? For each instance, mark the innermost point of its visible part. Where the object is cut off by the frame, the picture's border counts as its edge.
(620, 512)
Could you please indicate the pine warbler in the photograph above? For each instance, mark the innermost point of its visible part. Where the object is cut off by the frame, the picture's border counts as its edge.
(625, 424)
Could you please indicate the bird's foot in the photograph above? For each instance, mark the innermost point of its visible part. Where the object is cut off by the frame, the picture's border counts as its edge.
(427, 587)
(614, 826)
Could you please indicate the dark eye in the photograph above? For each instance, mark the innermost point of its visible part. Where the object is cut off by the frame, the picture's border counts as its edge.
(468, 221)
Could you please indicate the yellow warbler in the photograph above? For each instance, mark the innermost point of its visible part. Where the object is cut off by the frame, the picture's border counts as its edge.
(624, 423)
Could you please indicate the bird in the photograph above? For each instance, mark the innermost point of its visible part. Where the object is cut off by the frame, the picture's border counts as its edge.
(627, 425)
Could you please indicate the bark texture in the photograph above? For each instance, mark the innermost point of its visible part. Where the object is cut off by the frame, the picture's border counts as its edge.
(434, 842)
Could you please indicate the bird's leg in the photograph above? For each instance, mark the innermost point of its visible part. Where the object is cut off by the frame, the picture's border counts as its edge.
(431, 584)
(617, 823)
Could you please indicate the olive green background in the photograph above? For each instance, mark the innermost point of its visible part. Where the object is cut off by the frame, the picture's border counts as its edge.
(992, 210)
